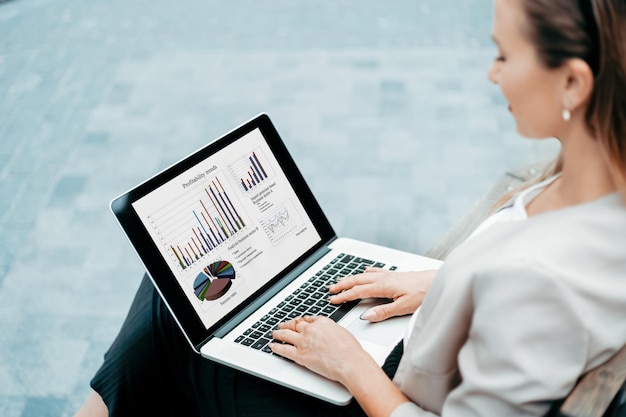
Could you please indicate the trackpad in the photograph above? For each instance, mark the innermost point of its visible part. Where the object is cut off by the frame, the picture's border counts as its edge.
(384, 332)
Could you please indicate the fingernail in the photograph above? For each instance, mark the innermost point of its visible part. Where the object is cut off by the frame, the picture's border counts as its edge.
(369, 315)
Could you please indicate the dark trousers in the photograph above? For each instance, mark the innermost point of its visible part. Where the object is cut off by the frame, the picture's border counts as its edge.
(150, 369)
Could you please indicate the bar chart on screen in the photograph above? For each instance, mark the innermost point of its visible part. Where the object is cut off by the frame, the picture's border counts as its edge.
(199, 222)
(251, 171)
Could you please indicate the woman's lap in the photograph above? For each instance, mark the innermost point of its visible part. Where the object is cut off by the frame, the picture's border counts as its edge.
(150, 368)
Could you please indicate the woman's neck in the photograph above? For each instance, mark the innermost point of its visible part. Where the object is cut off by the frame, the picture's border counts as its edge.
(585, 176)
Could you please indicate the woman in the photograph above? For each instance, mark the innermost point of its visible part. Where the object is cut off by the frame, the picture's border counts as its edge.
(530, 302)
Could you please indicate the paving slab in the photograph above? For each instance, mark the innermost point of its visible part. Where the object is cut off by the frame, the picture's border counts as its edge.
(385, 107)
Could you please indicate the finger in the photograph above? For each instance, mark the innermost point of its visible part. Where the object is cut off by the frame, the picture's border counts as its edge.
(286, 351)
(369, 275)
(375, 269)
(286, 335)
(310, 319)
(384, 311)
(290, 324)
(374, 289)
(372, 315)
(350, 281)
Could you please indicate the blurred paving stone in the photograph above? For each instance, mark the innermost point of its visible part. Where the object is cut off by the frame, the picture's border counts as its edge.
(386, 109)
(43, 407)
(67, 190)
(11, 406)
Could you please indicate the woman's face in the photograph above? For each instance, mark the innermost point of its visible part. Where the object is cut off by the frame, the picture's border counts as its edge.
(531, 89)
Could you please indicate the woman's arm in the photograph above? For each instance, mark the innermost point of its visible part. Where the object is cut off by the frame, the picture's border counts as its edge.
(406, 289)
(526, 346)
(328, 349)
(373, 390)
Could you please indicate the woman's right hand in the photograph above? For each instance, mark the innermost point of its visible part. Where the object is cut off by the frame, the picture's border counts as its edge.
(406, 289)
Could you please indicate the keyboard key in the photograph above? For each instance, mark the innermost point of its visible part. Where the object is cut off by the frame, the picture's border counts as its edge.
(260, 344)
(329, 309)
(347, 259)
(310, 298)
(363, 261)
(247, 341)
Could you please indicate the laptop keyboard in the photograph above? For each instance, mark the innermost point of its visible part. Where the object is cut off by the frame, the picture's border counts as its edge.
(311, 299)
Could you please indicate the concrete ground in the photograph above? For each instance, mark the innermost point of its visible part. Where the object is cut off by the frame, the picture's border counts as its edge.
(385, 107)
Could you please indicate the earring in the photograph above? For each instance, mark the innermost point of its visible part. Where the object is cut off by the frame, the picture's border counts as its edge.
(566, 115)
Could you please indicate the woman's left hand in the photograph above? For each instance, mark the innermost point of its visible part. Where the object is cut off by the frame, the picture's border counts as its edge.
(321, 345)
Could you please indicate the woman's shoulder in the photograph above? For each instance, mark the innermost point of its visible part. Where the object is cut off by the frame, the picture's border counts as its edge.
(578, 253)
(587, 234)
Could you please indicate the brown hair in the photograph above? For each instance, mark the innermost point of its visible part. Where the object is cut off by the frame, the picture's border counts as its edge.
(595, 31)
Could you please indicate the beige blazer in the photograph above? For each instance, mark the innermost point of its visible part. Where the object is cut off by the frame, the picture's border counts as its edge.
(518, 313)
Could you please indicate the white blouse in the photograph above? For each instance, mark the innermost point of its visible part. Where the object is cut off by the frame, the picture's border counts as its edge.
(518, 312)
(514, 211)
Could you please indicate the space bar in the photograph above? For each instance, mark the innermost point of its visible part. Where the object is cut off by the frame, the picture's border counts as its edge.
(343, 310)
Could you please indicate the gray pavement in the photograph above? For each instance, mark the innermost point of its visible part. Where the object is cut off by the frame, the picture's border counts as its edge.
(385, 106)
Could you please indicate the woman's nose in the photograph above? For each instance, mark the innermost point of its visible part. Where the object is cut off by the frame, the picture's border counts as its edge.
(493, 73)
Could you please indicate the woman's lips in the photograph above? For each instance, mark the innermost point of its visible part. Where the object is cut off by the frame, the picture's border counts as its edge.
(510, 108)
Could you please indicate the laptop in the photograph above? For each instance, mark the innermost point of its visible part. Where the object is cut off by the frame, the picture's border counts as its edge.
(235, 242)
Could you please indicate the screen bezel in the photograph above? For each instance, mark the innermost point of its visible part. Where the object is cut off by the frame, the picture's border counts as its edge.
(155, 264)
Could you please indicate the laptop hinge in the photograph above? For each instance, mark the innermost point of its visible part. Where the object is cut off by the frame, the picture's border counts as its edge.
(272, 291)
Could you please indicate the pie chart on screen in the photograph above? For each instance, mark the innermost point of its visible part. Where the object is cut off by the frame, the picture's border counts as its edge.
(214, 280)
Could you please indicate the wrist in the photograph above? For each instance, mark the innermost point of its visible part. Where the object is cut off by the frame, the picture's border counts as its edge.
(371, 387)
(357, 369)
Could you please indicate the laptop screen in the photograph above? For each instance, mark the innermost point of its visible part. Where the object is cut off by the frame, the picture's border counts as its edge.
(227, 225)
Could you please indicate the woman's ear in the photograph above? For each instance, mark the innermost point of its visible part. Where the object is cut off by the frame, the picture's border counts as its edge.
(578, 83)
